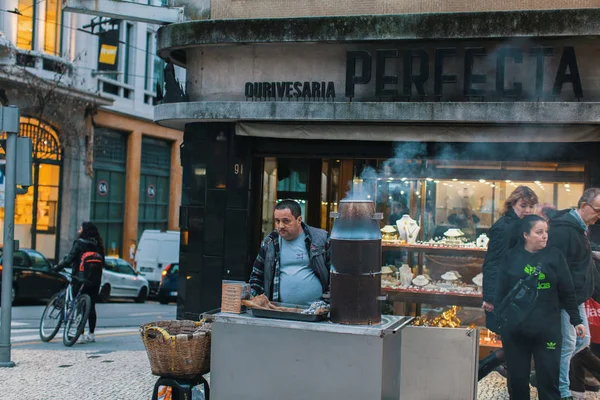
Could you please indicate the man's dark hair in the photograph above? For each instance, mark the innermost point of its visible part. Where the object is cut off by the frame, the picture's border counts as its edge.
(588, 196)
(291, 205)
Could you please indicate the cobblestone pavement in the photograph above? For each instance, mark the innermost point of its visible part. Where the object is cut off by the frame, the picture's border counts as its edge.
(493, 387)
(123, 375)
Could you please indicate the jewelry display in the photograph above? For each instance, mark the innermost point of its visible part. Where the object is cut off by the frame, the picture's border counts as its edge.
(408, 229)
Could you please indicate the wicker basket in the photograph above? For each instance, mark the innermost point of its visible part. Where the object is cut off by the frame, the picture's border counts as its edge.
(177, 349)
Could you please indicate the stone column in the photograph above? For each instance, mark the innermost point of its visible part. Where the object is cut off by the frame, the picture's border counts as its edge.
(75, 194)
(132, 191)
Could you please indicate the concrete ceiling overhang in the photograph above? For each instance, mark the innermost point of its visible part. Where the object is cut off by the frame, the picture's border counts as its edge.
(176, 115)
(175, 38)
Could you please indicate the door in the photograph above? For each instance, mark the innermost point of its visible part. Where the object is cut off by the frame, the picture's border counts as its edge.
(37, 212)
(147, 258)
(128, 278)
(45, 282)
(113, 278)
(31, 277)
(154, 185)
(108, 191)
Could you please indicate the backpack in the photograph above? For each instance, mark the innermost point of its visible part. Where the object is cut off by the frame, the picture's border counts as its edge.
(518, 303)
(90, 266)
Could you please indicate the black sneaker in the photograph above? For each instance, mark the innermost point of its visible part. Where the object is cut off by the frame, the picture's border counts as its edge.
(590, 388)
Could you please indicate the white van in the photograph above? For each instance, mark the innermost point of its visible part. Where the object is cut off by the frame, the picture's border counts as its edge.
(156, 249)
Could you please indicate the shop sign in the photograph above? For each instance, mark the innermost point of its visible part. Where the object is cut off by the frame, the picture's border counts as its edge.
(413, 66)
(290, 90)
(102, 188)
(108, 49)
(151, 191)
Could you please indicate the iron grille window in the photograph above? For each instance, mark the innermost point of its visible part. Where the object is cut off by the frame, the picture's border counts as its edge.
(110, 146)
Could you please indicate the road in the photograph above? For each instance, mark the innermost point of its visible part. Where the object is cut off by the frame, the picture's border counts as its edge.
(117, 328)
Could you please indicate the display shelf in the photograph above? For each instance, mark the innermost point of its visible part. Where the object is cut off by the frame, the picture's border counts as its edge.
(444, 250)
(435, 297)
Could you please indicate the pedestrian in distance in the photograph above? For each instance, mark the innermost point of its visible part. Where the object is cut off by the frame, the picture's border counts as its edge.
(540, 332)
(569, 231)
(293, 261)
(87, 256)
(504, 235)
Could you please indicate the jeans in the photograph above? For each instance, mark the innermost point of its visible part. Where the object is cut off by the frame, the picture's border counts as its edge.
(571, 345)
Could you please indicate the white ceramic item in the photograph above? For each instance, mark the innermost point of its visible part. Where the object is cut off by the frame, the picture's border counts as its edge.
(420, 280)
(451, 276)
(454, 232)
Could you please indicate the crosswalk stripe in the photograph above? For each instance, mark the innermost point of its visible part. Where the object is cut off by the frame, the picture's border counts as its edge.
(99, 332)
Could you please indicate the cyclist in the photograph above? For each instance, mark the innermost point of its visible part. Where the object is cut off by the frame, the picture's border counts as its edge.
(88, 241)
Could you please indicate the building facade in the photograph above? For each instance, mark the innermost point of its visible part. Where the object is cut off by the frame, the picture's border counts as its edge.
(433, 109)
(85, 87)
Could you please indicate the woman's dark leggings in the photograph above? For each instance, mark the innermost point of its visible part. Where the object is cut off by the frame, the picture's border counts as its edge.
(92, 291)
(545, 347)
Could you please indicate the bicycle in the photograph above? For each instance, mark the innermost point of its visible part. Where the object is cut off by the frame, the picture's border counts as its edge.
(64, 308)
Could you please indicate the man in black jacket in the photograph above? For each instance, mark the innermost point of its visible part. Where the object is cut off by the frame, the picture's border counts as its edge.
(569, 233)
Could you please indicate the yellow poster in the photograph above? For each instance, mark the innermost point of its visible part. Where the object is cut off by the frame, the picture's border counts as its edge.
(108, 54)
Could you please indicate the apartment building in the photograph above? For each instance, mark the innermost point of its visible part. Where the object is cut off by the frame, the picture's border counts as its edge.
(86, 87)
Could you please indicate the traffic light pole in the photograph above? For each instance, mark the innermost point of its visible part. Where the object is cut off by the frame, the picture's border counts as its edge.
(8, 247)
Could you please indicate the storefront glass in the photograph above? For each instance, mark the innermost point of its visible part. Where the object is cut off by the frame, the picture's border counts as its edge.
(438, 195)
(283, 178)
(37, 211)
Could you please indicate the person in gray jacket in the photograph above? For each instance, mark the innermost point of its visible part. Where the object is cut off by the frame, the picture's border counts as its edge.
(293, 261)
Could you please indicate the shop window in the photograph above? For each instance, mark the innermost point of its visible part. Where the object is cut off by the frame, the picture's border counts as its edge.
(37, 211)
(53, 24)
(47, 199)
(26, 24)
(283, 179)
(439, 202)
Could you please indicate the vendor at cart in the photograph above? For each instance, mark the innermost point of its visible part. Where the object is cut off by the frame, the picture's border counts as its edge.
(293, 261)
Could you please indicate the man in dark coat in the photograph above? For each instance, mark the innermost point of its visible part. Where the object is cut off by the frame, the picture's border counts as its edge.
(569, 233)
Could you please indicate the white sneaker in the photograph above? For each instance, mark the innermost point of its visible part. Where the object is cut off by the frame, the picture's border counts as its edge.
(81, 339)
(578, 395)
(90, 338)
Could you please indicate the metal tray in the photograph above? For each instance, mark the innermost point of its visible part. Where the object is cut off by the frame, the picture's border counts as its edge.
(258, 312)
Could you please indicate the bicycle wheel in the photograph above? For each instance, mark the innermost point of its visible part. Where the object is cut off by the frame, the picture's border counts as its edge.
(52, 317)
(77, 319)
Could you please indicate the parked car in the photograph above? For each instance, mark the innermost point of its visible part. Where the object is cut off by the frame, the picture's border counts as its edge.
(156, 249)
(32, 276)
(169, 284)
(120, 280)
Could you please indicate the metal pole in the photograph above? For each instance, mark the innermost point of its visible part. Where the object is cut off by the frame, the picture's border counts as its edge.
(7, 253)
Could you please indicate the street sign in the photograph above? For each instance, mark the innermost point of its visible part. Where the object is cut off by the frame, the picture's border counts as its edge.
(103, 188)
(151, 191)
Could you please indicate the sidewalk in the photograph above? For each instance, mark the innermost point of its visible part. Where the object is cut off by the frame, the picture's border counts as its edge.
(123, 375)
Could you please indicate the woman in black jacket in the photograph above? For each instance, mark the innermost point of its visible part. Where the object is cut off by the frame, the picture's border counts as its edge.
(504, 235)
(88, 240)
(539, 334)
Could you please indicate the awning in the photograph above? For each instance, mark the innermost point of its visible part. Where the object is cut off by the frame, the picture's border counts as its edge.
(421, 133)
